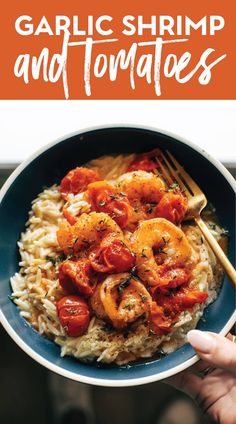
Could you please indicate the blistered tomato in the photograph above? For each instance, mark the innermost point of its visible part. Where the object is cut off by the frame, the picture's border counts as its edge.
(172, 206)
(145, 161)
(77, 181)
(73, 313)
(77, 276)
(112, 256)
(105, 198)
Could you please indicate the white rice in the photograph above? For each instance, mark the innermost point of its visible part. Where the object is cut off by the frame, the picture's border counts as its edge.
(35, 288)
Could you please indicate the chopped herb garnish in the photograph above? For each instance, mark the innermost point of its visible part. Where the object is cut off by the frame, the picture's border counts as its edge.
(107, 327)
(56, 260)
(143, 297)
(150, 207)
(123, 285)
(160, 250)
(173, 187)
(102, 203)
(225, 232)
(11, 297)
(143, 254)
(122, 193)
(113, 196)
(133, 273)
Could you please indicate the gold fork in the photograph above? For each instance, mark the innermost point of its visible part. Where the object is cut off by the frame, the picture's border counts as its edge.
(174, 172)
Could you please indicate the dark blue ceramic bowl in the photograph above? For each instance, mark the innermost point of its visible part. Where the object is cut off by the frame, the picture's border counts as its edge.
(47, 167)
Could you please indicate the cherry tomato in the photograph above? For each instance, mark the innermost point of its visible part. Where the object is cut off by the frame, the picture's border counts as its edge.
(180, 301)
(172, 206)
(73, 314)
(77, 181)
(145, 161)
(160, 324)
(105, 198)
(170, 278)
(113, 256)
(77, 277)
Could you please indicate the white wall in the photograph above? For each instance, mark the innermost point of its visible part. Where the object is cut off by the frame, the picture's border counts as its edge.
(27, 125)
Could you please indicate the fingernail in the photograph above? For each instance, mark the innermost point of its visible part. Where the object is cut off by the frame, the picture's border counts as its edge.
(201, 341)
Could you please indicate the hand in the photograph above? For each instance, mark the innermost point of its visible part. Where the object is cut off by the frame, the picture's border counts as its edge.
(212, 381)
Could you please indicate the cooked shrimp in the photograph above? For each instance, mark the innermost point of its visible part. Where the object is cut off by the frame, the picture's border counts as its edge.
(89, 229)
(124, 299)
(143, 190)
(141, 185)
(96, 303)
(160, 246)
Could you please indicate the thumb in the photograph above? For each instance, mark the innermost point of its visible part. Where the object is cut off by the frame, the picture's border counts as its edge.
(214, 348)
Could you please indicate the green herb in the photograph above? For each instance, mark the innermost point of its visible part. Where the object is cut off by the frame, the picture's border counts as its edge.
(143, 254)
(173, 187)
(143, 297)
(11, 297)
(128, 306)
(55, 260)
(113, 196)
(133, 273)
(107, 327)
(102, 203)
(225, 232)
(150, 207)
(122, 193)
(58, 259)
(160, 250)
(123, 285)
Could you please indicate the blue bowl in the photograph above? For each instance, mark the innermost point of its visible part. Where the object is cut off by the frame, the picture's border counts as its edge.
(48, 166)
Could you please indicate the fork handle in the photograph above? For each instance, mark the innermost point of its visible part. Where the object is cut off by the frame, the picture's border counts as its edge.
(228, 267)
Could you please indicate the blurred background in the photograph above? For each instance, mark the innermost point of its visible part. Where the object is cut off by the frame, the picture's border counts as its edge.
(28, 391)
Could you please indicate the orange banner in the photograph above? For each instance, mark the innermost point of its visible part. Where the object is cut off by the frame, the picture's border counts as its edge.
(118, 50)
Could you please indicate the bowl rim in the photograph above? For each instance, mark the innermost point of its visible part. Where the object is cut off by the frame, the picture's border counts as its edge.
(72, 375)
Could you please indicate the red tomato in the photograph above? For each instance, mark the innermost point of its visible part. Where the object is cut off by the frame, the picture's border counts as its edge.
(183, 300)
(172, 206)
(77, 277)
(77, 181)
(145, 161)
(112, 256)
(159, 323)
(105, 198)
(73, 313)
(170, 278)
